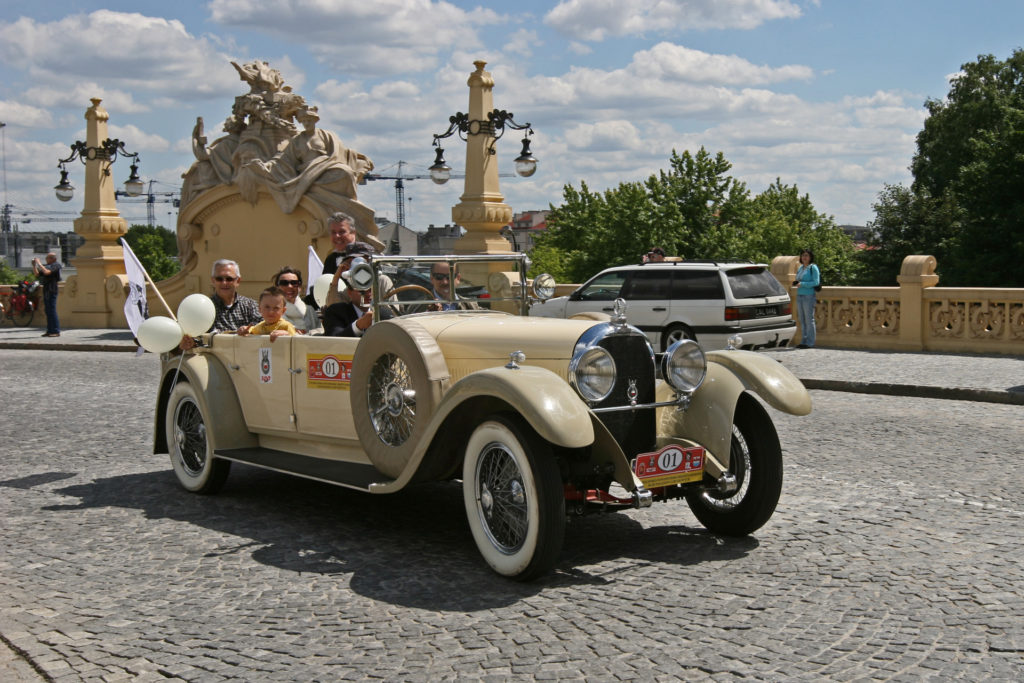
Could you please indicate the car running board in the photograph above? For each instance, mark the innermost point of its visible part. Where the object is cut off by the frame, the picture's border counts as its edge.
(348, 474)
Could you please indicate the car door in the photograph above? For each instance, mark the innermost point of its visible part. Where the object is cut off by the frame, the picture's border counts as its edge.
(646, 293)
(698, 302)
(321, 385)
(597, 295)
(263, 379)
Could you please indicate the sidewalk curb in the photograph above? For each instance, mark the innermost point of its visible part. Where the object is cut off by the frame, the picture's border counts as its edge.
(57, 346)
(916, 391)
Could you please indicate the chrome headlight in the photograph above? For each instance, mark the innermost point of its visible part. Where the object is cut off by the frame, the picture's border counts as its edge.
(544, 286)
(685, 365)
(592, 372)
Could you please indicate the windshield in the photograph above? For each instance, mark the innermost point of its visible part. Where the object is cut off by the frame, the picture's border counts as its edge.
(751, 283)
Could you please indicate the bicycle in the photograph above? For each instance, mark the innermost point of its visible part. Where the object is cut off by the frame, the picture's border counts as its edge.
(21, 304)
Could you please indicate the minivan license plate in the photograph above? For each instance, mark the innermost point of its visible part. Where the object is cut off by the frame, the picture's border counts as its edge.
(670, 465)
(764, 311)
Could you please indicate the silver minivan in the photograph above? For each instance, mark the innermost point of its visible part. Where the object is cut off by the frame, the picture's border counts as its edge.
(706, 301)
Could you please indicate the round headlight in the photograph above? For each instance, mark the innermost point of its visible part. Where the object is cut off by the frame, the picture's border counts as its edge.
(685, 365)
(593, 373)
(544, 286)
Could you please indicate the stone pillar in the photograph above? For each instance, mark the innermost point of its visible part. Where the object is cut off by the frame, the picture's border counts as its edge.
(84, 301)
(916, 274)
(482, 210)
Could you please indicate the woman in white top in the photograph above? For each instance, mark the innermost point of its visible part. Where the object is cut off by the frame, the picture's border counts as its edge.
(304, 317)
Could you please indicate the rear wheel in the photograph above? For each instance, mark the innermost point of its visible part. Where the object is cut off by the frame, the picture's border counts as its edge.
(189, 443)
(755, 458)
(514, 499)
(676, 332)
(22, 315)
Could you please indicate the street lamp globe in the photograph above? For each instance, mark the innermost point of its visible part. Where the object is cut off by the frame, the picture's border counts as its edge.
(526, 163)
(133, 186)
(64, 190)
(440, 172)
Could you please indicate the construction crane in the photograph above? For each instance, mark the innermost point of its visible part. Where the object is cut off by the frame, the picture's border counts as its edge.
(151, 198)
(399, 188)
(400, 179)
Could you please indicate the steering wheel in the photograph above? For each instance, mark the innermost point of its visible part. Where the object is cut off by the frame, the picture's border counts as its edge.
(406, 288)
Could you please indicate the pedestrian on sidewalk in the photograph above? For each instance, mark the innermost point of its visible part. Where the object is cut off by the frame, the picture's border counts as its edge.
(808, 277)
(49, 274)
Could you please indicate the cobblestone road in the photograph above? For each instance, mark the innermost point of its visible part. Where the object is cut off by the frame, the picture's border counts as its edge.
(897, 553)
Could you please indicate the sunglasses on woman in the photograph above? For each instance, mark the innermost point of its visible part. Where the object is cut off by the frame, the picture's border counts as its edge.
(289, 283)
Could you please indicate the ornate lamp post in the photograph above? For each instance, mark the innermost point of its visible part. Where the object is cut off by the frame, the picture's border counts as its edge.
(482, 211)
(85, 300)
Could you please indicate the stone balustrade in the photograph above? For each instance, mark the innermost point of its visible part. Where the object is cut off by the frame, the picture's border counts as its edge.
(916, 315)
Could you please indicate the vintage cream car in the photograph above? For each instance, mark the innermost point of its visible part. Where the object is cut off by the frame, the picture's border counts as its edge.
(540, 418)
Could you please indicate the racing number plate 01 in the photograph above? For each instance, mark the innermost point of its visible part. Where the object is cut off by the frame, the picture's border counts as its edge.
(670, 465)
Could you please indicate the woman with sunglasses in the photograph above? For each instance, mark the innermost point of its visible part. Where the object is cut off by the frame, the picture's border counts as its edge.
(297, 312)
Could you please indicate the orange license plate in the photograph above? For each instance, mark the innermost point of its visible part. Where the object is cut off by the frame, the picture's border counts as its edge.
(670, 465)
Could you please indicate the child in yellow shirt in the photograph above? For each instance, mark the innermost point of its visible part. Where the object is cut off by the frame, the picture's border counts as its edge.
(272, 307)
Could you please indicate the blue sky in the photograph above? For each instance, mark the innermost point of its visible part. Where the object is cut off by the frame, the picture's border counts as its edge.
(827, 95)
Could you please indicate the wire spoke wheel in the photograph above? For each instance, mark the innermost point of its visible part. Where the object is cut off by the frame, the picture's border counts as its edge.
(502, 498)
(755, 459)
(190, 437)
(392, 399)
(190, 443)
(513, 494)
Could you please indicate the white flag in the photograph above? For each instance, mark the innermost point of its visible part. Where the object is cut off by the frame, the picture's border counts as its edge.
(315, 267)
(135, 307)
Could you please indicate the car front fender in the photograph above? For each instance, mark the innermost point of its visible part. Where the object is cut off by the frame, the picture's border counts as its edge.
(541, 397)
(216, 395)
(708, 418)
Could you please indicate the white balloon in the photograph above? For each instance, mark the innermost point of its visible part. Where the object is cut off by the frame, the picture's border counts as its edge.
(159, 334)
(195, 314)
(322, 286)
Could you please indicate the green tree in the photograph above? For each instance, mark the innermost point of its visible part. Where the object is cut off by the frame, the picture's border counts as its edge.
(694, 209)
(967, 198)
(157, 249)
(908, 222)
(8, 275)
(782, 221)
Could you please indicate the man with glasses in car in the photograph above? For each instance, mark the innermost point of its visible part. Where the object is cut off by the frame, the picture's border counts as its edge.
(441, 279)
(232, 309)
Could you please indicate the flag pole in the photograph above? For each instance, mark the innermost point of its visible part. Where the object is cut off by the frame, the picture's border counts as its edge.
(125, 245)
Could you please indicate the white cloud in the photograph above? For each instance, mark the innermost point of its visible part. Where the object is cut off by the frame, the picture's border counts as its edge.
(21, 114)
(595, 20)
(119, 50)
(677, 63)
(355, 36)
(80, 94)
(522, 42)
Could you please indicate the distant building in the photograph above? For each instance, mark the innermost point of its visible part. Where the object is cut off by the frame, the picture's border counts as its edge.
(398, 239)
(18, 247)
(525, 226)
(858, 234)
(439, 240)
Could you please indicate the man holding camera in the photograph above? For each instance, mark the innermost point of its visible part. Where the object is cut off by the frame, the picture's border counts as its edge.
(49, 275)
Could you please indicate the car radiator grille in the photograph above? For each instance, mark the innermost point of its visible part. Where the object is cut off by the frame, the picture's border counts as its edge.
(634, 430)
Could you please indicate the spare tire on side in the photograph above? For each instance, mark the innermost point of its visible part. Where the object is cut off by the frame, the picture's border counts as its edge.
(398, 376)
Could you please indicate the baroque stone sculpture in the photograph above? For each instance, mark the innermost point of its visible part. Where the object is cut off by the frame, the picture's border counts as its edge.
(263, 151)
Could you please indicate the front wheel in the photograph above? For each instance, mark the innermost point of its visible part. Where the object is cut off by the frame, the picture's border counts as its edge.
(189, 443)
(755, 458)
(514, 499)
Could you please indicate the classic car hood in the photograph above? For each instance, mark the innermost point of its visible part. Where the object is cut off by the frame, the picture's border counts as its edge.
(494, 336)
